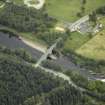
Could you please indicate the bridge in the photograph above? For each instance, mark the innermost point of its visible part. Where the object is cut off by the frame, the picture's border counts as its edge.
(48, 52)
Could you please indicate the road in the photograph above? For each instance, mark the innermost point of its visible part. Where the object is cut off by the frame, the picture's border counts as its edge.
(38, 5)
(64, 62)
(75, 26)
(15, 43)
(48, 52)
(1, 6)
(37, 46)
(63, 76)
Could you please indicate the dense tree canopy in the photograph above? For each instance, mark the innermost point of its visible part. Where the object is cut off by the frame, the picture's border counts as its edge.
(21, 84)
(19, 81)
(25, 19)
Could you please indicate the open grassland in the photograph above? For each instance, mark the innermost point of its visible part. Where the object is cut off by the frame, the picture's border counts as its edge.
(95, 48)
(66, 10)
(74, 41)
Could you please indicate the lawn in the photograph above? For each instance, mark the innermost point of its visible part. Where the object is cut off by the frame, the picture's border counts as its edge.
(66, 10)
(75, 41)
(95, 48)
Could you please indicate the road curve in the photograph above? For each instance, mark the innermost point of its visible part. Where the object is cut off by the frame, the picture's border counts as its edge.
(14, 43)
(1, 6)
(39, 5)
(48, 52)
(63, 76)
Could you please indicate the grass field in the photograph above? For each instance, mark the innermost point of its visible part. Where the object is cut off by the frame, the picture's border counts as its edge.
(75, 41)
(66, 10)
(95, 48)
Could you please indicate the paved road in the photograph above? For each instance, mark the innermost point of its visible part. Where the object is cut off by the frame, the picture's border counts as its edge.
(39, 5)
(75, 26)
(1, 6)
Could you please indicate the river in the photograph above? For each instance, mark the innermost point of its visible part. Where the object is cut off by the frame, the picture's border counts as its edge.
(15, 43)
(64, 62)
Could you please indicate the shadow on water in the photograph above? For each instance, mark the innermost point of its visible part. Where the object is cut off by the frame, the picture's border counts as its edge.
(13, 41)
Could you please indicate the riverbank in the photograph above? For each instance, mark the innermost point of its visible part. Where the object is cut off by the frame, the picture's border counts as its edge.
(37, 50)
(34, 43)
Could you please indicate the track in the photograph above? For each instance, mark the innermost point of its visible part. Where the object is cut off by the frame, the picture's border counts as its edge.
(63, 76)
(64, 62)
(39, 5)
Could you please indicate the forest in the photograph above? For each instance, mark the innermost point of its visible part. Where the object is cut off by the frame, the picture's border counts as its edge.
(19, 81)
(25, 19)
(21, 84)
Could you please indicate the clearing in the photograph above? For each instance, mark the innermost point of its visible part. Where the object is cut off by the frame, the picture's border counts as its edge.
(75, 41)
(66, 10)
(95, 48)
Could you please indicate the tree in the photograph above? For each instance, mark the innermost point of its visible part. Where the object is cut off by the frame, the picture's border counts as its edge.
(83, 9)
(84, 2)
(83, 6)
(93, 17)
